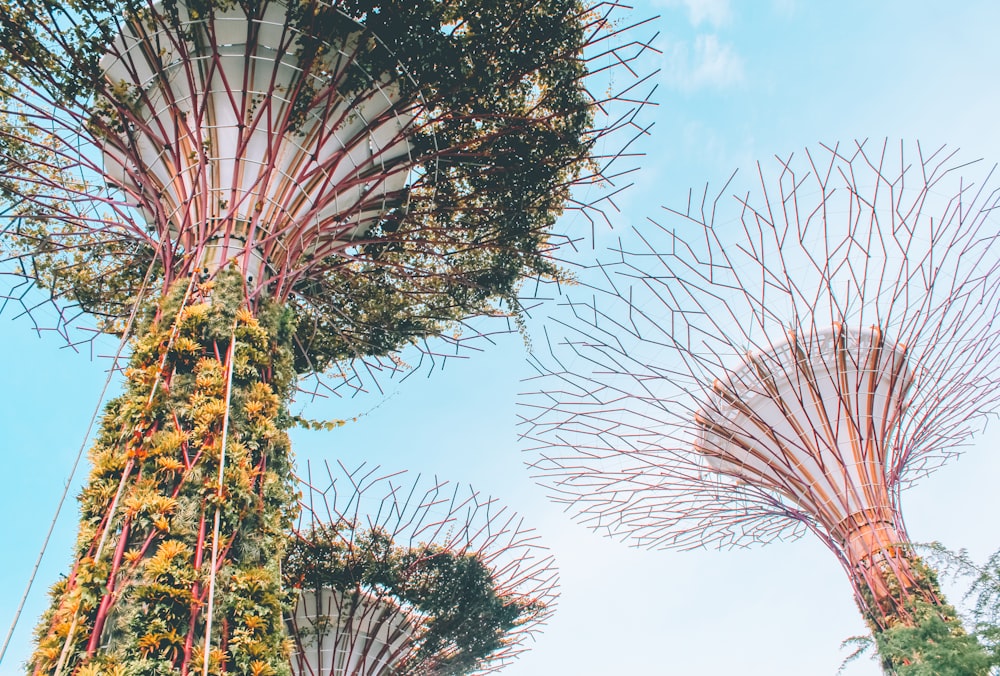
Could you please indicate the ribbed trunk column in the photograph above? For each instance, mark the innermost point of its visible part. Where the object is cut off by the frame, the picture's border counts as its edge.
(880, 560)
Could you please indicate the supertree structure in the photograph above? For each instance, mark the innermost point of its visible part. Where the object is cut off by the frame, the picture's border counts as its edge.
(401, 575)
(253, 192)
(783, 361)
(368, 164)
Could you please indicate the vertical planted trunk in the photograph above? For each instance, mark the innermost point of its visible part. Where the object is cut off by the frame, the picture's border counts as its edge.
(916, 631)
(185, 512)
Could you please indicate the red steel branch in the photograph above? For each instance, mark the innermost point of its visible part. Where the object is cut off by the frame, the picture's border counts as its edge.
(422, 515)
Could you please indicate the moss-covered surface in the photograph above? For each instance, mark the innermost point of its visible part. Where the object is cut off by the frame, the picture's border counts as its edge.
(140, 606)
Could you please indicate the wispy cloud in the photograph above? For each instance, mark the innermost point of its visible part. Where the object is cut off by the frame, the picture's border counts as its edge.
(713, 12)
(784, 8)
(705, 64)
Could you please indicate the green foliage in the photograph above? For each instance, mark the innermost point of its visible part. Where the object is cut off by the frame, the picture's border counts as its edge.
(329, 425)
(915, 632)
(466, 616)
(509, 95)
(164, 451)
(504, 129)
(932, 643)
(58, 44)
(983, 596)
(15, 151)
(459, 593)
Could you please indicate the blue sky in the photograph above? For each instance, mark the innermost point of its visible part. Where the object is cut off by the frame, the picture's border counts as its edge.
(739, 82)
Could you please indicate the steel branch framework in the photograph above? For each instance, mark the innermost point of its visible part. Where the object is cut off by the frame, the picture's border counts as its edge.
(377, 587)
(787, 358)
(332, 159)
(339, 181)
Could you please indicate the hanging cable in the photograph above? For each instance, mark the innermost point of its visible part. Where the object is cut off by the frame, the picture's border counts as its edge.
(218, 506)
(125, 472)
(126, 332)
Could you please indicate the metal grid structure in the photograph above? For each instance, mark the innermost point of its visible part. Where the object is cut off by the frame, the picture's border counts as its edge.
(786, 359)
(353, 627)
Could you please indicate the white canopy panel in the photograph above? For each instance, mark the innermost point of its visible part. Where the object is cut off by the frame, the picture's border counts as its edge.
(221, 142)
(813, 419)
(350, 634)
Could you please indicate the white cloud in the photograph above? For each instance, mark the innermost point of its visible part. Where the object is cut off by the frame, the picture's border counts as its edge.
(707, 63)
(714, 12)
(784, 8)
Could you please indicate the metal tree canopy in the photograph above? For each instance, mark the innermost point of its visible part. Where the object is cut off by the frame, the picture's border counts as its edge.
(386, 169)
(813, 420)
(235, 160)
(408, 576)
(254, 191)
(788, 358)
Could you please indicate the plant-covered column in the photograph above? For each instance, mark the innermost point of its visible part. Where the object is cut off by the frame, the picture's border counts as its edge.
(916, 631)
(185, 513)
